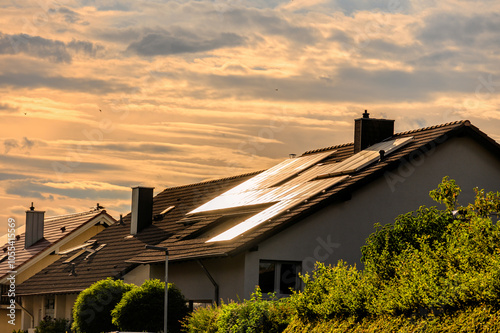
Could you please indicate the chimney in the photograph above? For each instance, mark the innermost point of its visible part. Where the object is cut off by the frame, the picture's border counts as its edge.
(142, 208)
(34, 226)
(369, 131)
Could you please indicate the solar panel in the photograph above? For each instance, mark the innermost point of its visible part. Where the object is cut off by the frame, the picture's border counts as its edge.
(259, 189)
(364, 158)
(307, 191)
(289, 183)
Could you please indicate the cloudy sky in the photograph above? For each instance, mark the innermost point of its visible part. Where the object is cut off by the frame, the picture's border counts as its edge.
(101, 95)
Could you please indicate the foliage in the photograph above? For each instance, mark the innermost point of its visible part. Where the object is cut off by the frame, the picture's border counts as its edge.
(50, 325)
(427, 262)
(19, 331)
(474, 319)
(203, 319)
(432, 270)
(254, 315)
(332, 291)
(92, 308)
(142, 308)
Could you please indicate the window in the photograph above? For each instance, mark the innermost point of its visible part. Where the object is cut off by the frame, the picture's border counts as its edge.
(279, 276)
(49, 306)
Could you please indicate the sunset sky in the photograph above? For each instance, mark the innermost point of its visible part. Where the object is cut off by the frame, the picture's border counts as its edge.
(98, 96)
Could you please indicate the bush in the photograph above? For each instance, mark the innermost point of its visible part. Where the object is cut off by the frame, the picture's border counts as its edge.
(50, 325)
(92, 309)
(203, 319)
(142, 308)
(254, 315)
(338, 291)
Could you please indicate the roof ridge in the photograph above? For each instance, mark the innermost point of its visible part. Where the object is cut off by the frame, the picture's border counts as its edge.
(327, 148)
(60, 217)
(464, 121)
(215, 180)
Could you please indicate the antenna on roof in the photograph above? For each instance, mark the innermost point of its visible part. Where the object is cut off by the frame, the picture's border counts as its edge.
(32, 207)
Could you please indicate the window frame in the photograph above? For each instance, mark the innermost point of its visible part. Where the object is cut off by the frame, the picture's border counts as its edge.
(277, 276)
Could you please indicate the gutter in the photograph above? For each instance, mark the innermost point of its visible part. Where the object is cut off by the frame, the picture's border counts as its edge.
(216, 286)
(29, 314)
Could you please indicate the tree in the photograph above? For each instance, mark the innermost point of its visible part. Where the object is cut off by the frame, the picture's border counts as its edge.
(142, 308)
(92, 309)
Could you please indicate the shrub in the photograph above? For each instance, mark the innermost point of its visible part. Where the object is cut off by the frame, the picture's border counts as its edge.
(203, 319)
(92, 309)
(142, 308)
(330, 292)
(50, 325)
(254, 315)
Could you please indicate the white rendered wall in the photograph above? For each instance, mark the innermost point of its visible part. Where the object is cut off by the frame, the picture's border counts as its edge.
(338, 232)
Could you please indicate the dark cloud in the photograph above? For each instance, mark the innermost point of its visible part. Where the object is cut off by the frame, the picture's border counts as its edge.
(445, 29)
(9, 144)
(69, 15)
(65, 166)
(182, 41)
(5, 107)
(349, 7)
(143, 148)
(7, 176)
(34, 80)
(27, 143)
(36, 188)
(53, 50)
(347, 84)
(269, 23)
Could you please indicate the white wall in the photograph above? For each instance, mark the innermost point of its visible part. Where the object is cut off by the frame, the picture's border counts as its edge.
(339, 231)
(228, 273)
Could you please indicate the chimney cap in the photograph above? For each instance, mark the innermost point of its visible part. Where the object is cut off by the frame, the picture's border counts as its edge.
(32, 208)
(366, 114)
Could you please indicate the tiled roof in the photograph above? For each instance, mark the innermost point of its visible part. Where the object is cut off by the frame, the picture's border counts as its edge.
(183, 247)
(56, 229)
(187, 241)
(110, 261)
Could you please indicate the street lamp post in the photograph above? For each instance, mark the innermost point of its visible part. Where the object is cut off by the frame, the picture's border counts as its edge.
(164, 249)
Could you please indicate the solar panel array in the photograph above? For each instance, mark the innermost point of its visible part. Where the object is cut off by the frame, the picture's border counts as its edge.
(289, 183)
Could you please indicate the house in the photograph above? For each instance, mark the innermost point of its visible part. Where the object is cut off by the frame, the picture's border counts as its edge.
(35, 247)
(226, 236)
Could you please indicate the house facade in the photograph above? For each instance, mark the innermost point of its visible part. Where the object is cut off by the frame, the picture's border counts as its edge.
(229, 235)
(36, 246)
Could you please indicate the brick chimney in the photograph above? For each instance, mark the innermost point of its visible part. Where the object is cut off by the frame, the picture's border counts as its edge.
(34, 226)
(369, 131)
(142, 208)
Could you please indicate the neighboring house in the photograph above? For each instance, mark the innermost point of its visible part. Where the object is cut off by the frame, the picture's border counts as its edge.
(227, 236)
(36, 246)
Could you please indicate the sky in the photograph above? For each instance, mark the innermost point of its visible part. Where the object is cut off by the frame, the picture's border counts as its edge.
(97, 96)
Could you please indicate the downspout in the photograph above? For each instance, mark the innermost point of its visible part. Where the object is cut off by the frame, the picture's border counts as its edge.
(29, 314)
(216, 286)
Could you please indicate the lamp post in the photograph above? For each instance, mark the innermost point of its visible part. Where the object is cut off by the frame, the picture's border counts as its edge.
(160, 248)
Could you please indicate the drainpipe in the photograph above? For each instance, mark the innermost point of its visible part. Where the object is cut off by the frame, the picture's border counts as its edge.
(29, 314)
(216, 286)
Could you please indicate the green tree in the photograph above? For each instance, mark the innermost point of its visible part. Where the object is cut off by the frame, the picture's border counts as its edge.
(142, 308)
(92, 309)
